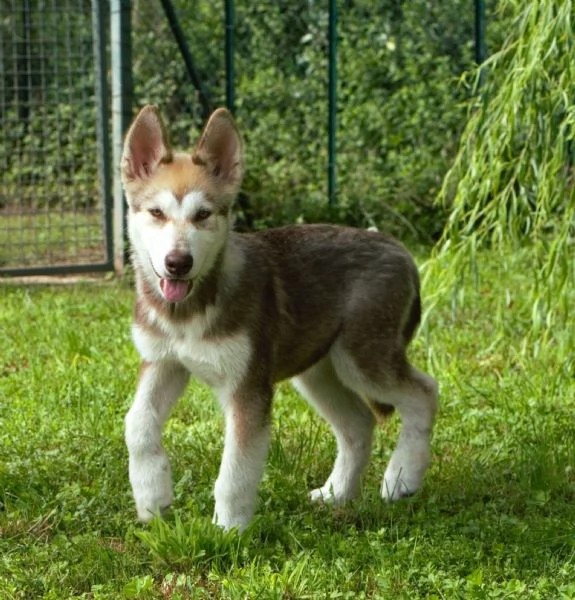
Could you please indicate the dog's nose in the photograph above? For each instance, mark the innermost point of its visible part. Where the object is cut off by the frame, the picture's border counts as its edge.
(178, 263)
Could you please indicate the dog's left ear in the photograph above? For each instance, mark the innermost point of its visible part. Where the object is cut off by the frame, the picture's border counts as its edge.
(220, 150)
(146, 145)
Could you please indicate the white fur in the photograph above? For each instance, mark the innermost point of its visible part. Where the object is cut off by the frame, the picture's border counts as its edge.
(215, 362)
(218, 363)
(416, 405)
(153, 239)
(159, 387)
(352, 423)
(411, 457)
(240, 473)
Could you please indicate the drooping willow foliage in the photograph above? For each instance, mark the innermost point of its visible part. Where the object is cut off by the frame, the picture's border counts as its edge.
(511, 188)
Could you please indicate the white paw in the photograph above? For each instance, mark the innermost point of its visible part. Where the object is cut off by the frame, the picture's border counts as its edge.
(323, 494)
(328, 494)
(151, 481)
(234, 508)
(402, 479)
(232, 519)
(394, 487)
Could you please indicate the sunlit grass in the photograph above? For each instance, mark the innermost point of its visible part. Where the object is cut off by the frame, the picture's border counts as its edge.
(494, 519)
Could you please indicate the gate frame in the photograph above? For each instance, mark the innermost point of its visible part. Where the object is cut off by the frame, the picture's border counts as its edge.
(122, 95)
(103, 152)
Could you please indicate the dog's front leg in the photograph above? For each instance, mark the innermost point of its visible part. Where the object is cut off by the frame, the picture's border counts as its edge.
(246, 443)
(159, 386)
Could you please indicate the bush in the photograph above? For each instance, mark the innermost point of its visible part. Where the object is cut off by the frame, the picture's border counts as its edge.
(400, 110)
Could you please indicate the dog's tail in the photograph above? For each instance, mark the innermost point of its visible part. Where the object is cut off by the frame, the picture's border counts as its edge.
(414, 316)
(383, 411)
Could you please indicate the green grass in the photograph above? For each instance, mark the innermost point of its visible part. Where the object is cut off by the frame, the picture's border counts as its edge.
(512, 181)
(495, 519)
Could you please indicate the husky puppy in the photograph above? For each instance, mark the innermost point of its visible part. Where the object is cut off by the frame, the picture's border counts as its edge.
(332, 308)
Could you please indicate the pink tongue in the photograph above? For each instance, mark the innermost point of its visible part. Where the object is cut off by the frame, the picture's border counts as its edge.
(174, 290)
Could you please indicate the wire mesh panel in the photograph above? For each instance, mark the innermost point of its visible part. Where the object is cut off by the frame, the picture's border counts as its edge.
(399, 107)
(159, 69)
(53, 201)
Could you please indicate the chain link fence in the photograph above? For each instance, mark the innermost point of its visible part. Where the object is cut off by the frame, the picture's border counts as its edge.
(399, 107)
(53, 212)
(399, 112)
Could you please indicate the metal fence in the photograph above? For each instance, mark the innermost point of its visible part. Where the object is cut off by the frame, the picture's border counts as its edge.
(55, 203)
(61, 203)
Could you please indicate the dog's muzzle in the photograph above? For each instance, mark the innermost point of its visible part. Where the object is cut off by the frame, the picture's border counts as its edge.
(177, 285)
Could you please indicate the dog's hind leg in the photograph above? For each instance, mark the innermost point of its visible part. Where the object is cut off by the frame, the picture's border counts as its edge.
(247, 411)
(414, 395)
(352, 423)
(416, 403)
(159, 386)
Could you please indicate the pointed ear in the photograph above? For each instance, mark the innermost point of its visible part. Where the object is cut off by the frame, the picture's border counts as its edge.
(220, 150)
(146, 145)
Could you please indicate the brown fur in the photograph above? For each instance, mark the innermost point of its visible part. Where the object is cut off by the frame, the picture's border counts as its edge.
(332, 307)
(285, 303)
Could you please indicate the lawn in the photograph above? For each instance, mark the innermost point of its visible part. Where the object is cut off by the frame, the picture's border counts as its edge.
(495, 519)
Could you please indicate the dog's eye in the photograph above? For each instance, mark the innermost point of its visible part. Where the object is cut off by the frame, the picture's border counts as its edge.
(203, 214)
(156, 213)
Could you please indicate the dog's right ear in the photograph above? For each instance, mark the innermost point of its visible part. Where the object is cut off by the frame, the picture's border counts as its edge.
(220, 151)
(146, 145)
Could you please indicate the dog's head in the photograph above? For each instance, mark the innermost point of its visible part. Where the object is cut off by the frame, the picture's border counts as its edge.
(179, 203)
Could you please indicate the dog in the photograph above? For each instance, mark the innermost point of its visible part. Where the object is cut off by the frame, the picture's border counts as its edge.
(332, 308)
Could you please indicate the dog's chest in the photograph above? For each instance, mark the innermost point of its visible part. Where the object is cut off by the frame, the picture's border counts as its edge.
(219, 362)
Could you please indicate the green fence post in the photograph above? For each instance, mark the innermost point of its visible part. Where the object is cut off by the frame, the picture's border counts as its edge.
(479, 31)
(480, 50)
(332, 104)
(122, 90)
(102, 120)
(230, 67)
(180, 38)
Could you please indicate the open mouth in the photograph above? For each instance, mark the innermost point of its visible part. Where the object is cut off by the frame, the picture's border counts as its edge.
(175, 290)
